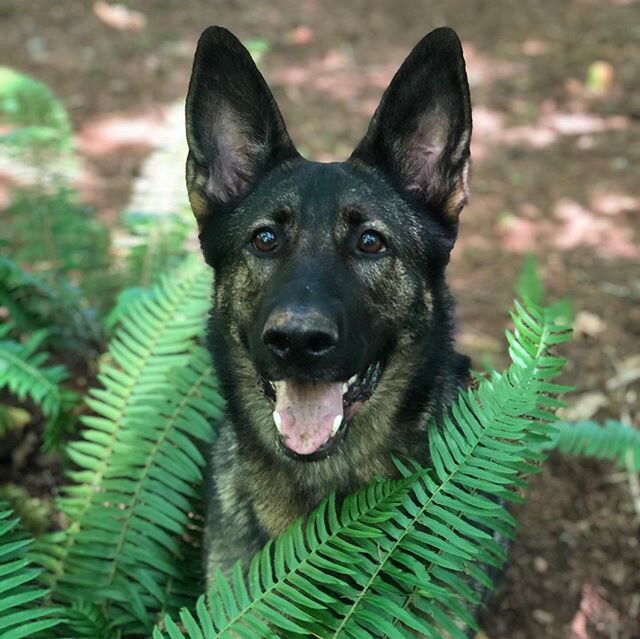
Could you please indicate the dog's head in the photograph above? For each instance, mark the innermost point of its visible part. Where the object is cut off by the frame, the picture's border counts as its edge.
(328, 277)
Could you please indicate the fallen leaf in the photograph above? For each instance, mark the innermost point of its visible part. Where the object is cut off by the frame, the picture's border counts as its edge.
(628, 371)
(542, 617)
(300, 35)
(583, 407)
(588, 324)
(119, 16)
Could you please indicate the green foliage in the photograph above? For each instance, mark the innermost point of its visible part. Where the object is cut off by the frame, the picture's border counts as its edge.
(156, 246)
(83, 619)
(57, 270)
(24, 373)
(62, 242)
(139, 462)
(22, 613)
(404, 555)
(33, 303)
(36, 119)
(34, 513)
(529, 286)
(613, 441)
(257, 47)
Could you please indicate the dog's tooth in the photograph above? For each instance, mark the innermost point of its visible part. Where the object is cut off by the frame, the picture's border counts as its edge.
(353, 379)
(336, 424)
(344, 388)
(278, 420)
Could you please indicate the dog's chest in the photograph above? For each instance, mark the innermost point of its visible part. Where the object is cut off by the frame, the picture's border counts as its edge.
(279, 498)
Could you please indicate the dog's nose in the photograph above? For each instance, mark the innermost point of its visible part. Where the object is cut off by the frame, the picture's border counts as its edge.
(300, 334)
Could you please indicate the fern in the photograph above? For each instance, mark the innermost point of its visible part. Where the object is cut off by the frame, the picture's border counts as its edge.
(381, 570)
(139, 466)
(21, 611)
(33, 303)
(613, 441)
(83, 619)
(24, 373)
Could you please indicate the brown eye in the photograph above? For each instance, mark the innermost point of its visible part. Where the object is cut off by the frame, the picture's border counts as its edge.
(264, 240)
(371, 242)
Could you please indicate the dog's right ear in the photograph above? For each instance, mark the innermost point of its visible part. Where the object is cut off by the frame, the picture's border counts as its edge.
(234, 129)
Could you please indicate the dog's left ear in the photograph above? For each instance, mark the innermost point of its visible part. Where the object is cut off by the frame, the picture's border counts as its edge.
(234, 128)
(421, 131)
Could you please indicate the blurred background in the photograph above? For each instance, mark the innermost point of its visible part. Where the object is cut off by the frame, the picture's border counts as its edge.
(92, 202)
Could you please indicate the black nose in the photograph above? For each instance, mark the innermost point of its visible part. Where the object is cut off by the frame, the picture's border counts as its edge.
(294, 335)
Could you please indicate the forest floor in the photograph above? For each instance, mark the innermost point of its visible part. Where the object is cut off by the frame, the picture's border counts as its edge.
(556, 151)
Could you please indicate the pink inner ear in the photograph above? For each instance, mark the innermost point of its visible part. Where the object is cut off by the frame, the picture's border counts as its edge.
(237, 156)
(422, 154)
(423, 169)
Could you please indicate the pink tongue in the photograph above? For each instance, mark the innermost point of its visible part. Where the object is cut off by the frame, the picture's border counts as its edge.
(307, 411)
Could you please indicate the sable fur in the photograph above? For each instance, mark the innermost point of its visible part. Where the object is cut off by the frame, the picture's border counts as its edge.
(406, 179)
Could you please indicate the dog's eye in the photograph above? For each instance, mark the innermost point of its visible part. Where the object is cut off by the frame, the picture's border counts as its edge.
(371, 242)
(264, 240)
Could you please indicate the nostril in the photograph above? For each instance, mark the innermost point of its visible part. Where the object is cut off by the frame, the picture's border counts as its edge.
(278, 342)
(319, 343)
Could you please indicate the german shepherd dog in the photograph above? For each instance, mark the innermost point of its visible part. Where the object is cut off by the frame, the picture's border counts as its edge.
(332, 324)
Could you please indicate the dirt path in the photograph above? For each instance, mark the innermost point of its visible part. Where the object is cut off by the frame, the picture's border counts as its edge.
(556, 153)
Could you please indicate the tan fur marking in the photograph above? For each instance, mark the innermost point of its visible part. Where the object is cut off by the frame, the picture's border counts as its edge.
(457, 199)
(198, 206)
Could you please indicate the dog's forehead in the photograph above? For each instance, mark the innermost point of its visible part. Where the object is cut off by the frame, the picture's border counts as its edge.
(318, 193)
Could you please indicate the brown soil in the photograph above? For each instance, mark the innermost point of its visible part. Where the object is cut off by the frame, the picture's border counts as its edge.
(556, 151)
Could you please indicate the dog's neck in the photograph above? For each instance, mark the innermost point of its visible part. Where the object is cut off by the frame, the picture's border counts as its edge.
(296, 487)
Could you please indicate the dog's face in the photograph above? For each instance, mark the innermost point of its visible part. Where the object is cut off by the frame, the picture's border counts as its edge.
(329, 277)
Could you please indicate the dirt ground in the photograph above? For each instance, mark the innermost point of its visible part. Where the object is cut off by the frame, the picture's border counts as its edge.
(556, 153)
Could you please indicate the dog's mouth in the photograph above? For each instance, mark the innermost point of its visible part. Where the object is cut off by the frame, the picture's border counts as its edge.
(312, 416)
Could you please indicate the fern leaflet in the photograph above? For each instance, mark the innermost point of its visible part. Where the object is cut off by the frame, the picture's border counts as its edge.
(21, 610)
(613, 441)
(24, 373)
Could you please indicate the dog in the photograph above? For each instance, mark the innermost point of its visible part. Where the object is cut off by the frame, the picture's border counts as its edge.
(332, 324)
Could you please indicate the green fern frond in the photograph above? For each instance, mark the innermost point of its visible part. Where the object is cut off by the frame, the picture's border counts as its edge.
(83, 619)
(613, 441)
(138, 458)
(24, 373)
(388, 569)
(21, 611)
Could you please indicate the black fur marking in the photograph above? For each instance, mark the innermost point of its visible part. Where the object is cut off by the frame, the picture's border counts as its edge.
(386, 318)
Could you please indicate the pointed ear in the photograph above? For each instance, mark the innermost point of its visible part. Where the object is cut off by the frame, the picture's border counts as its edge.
(234, 129)
(421, 131)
